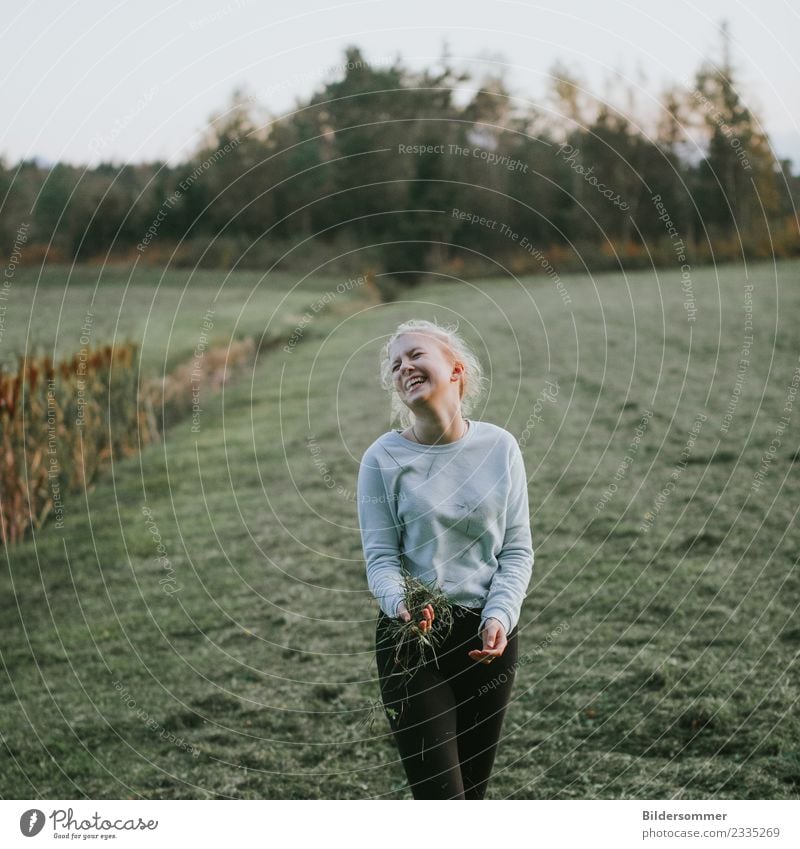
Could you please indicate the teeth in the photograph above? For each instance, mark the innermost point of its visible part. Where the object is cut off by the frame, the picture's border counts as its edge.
(412, 383)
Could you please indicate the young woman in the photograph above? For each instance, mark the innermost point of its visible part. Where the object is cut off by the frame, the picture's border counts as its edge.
(446, 500)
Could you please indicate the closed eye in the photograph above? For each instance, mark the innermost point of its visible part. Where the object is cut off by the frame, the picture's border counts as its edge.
(413, 356)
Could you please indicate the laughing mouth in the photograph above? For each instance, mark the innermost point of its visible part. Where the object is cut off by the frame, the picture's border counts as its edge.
(414, 381)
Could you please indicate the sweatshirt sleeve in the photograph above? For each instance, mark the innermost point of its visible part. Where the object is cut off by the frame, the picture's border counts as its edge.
(380, 537)
(515, 560)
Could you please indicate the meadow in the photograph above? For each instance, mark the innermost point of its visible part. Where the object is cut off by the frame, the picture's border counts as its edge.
(202, 628)
(50, 311)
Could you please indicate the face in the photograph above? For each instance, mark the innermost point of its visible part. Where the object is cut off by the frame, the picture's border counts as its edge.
(422, 369)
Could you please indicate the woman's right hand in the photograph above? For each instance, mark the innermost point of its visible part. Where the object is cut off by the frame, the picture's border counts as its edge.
(427, 614)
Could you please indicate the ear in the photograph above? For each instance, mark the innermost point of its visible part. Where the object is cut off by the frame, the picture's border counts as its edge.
(458, 370)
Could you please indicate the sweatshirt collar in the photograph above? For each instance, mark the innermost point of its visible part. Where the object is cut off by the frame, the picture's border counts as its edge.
(398, 439)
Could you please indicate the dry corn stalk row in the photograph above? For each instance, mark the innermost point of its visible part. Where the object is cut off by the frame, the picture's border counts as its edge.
(58, 423)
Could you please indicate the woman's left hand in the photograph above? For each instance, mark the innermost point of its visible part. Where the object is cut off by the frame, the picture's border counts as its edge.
(494, 642)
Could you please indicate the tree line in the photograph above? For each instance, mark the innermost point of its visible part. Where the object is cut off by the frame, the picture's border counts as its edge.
(406, 171)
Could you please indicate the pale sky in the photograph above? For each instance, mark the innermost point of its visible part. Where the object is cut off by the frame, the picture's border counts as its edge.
(136, 81)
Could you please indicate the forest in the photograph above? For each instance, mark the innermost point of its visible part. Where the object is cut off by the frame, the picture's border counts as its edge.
(405, 172)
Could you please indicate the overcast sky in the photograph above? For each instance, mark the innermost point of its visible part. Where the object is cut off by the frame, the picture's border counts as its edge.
(135, 81)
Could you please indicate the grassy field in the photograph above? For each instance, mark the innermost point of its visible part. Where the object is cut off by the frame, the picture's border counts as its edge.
(47, 312)
(660, 634)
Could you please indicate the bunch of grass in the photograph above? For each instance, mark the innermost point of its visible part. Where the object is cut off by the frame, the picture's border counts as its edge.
(413, 646)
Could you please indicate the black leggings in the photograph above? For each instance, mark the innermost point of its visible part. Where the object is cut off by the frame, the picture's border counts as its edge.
(446, 719)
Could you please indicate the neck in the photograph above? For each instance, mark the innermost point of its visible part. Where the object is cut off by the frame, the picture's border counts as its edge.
(438, 428)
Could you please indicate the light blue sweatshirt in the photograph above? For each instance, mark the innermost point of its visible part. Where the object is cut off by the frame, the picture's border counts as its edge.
(455, 513)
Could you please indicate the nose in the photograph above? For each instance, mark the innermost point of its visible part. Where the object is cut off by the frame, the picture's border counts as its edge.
(405, 368)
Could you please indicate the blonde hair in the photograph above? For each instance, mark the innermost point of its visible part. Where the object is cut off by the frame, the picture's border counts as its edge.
(472, 378)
